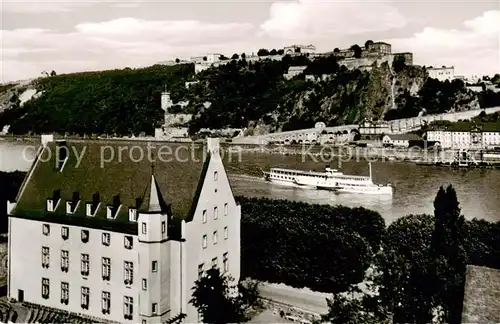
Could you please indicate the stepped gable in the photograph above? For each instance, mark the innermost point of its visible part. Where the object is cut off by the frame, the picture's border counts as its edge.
(123, 179)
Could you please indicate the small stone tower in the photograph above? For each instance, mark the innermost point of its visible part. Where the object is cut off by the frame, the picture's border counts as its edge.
(166, 101)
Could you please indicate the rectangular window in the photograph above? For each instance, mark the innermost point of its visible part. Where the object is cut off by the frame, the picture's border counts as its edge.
(50, 205)
(64, 260)
(89, 210)
(204, 216)
(64, 293)
(85, 264)
(129, 272)
(154, 266)
(214, 237)
(204, 241)
(45, 229)
(45, 288)
(106, 302)
(163, 227)
(225, 209)
(85, 236)
(225, 262)
(128, 307)
(65, 232)
(132, 215)
(216, 213)
(201, 270)
(68, 208)
(45, 257)
(106, 269)
(85, 296)
(216, 176)
(110, 212)
(214, 262)
(144, 228)
(154, 308)
(128, 242)
(225, 233)
(144, 284)
(106, 239)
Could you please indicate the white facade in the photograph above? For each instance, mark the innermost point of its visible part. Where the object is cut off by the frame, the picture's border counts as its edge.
(397, 140)
(293, 71)
(442, 74)
(97, 273)
(302, 48)
(464, 139)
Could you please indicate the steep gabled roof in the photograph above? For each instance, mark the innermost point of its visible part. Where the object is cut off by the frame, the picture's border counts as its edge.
(167, 179)
(481, 295)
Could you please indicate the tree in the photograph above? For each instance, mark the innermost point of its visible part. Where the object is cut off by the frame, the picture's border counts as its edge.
(263, 52)
(336, 50)
(281, 51)
(53, 73)
(212, 297)
(399, 63)
(297, 50)
(448, 254)
(357, 50)
(235, 56)
(177, 60)
(204, 58)
(273, 52)
(243, 56)
(349, 310)
(404, 269)
(496, 79)
(368, 43)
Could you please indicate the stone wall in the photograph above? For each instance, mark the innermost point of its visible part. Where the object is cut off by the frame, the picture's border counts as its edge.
(415, 122)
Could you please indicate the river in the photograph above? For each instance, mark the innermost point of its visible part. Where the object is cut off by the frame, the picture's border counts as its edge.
(415, 186)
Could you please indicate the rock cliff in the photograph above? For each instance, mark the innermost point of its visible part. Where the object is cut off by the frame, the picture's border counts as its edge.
(252, 95)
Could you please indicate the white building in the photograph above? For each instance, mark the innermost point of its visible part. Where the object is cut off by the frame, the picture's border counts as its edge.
(442, 73)
(368, 127)
(466, 136)
(399, 140)
(293, 71)
(119, 238)
(292, 49)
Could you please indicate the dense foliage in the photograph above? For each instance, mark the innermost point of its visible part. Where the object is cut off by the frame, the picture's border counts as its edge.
(242, 94)
(215, 299)
(10, 182)
(435, 97)
(279, 237)
(119, 101)
(422, 263)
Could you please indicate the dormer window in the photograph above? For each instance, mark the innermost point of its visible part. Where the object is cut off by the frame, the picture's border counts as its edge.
(112, 210)
(85, 236)
(50, 205)
(72, 205)
(53, 202)
(91, 208)
(132, 215)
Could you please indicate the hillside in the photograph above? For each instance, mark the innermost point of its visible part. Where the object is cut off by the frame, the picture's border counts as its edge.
(252, 95)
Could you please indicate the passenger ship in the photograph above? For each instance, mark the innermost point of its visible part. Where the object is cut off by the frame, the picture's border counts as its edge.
(331, 179)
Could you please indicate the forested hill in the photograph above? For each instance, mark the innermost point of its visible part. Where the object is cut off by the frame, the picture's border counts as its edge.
(243, 94)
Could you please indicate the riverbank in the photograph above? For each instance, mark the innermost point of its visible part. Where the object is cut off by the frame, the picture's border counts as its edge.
(321, 152)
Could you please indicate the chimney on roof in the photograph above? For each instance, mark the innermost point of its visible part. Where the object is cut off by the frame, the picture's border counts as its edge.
(213, 145)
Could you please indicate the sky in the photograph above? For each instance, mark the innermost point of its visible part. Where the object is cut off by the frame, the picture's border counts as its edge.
(71, 36)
